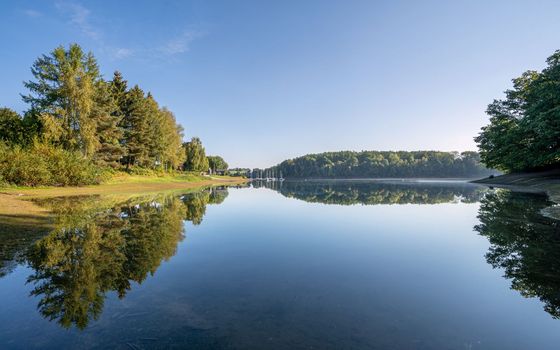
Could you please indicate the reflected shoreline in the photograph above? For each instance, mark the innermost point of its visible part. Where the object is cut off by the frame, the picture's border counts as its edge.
(366, 192)
(96, 246)
(524, 243)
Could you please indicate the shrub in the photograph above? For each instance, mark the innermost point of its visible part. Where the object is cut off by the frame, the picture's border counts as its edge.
(47, 165)
(136, 170)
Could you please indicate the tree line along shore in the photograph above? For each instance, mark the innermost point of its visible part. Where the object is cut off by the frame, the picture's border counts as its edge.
(521, 140)
(376, 164)
(81, 129)
(523, 136)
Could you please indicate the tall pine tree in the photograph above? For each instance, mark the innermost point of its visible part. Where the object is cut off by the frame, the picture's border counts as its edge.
(136, 127)
(109, 151)
(63, 94)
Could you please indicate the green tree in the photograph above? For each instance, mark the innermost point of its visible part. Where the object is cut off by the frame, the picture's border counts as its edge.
(155, 136)
(195, 156)
(172, 152)
(217, 163)
(119, 89)
(376, 164)
(136, 127)
(524, 129)
(109, 151)
(63, 95)
(12, 130)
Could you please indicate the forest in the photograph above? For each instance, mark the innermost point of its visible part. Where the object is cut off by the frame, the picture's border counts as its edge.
(80, 128)
(524, 129)
(376, 164)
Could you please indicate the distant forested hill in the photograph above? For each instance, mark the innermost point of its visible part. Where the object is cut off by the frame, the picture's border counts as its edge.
(376, 164)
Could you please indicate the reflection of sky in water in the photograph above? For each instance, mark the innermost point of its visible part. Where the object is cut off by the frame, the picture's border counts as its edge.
(266, 271)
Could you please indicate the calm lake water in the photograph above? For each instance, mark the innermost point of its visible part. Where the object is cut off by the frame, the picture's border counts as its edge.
(292, 265)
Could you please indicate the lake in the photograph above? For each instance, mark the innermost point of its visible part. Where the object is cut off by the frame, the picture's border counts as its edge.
(291, 265)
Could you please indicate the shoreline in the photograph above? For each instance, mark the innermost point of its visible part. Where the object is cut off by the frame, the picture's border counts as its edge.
(546, 182)
(16, 203)
(403, 179)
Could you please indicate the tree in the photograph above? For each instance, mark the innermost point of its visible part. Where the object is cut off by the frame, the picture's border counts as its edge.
(524, 129)
(63, 95)
(195, 156)
(155, 136)
(76, 115)
(136, 127)
(109, 150)
(217, 163)
(12, 129)
(375, 164)
(173, 155)
(118, 88)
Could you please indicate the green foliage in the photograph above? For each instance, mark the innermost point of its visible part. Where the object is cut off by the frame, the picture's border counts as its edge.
(169, 152)
(374, 164)
(119, 88)
(45, 164)
(63, 95)
(195, 156)
(12, 130)
(217, 163)
(144, 171)
(109, 149)
(246, 172)
(135, 126)
(524, 129)
(74, 109)
(152, 137)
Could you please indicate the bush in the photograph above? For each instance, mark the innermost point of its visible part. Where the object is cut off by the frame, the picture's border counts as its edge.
(46, 165)
(136, 170)
(140, 171)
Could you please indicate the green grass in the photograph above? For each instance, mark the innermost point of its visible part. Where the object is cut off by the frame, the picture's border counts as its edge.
(16, 203)
(122, 177)
(127, 184)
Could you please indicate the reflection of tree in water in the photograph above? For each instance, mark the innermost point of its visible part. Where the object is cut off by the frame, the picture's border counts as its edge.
(524, 243)
(364, 192)
(16, 234)
(195, 203)
(94, 249)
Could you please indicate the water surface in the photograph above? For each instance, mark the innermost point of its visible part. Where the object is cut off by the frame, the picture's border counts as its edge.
(292, 265)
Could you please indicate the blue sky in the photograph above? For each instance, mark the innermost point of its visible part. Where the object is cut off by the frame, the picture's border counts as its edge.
(263, 81)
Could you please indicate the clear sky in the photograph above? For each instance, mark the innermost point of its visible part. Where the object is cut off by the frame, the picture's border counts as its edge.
(263, 81)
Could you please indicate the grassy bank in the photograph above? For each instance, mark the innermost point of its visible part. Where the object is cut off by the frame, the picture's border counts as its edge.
(16, 203)
(547, 182)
